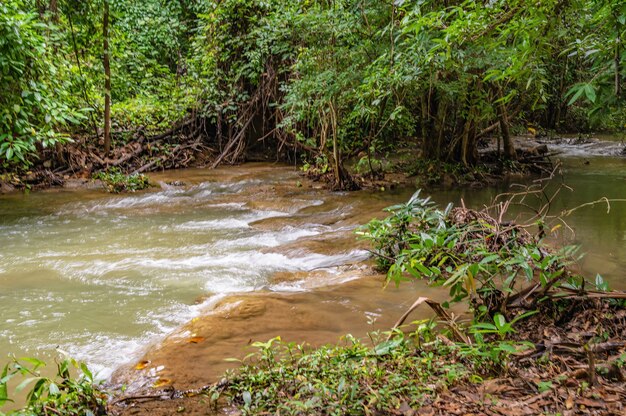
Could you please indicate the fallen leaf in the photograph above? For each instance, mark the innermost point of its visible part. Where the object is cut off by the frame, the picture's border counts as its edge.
(141, 365)
(162, 382)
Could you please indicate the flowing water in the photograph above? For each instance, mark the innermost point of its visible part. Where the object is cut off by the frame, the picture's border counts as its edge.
(100, 276)
(103, 276)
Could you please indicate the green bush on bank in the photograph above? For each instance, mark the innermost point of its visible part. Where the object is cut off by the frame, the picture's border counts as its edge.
(64, 394)
(285, 378)
(116, 181)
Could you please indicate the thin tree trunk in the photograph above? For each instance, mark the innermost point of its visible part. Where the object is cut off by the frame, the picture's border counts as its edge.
(54, 9)
(618, 84)
(507, 143)
(107, 80)
(508, 146)
(430, 109)
(80, 72)
(333, 130)
(41, 8)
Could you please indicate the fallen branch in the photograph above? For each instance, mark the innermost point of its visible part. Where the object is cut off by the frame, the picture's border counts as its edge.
(164, 157)
(436, 307)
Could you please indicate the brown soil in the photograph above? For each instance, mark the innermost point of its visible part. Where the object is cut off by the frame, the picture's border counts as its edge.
(576, 380)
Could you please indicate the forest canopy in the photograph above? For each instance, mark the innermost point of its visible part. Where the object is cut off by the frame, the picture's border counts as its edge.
(328, 79)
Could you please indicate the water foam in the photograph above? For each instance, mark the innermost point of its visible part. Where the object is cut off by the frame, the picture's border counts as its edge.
(124, 269)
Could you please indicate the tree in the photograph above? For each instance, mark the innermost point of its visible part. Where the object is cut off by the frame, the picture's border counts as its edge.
(34, 108)
(107, 78)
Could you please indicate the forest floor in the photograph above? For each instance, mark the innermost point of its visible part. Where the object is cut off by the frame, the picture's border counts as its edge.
(567, 372)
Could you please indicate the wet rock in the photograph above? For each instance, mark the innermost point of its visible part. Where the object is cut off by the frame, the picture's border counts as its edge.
(247, 309)
(5, 188)
(542, 149)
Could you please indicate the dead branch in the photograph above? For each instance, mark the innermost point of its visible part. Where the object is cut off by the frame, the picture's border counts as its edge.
(436, 307)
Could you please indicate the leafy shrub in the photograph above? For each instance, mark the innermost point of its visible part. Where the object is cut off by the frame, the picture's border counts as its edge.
(34, 103)
(285, 378)
(116, 181)
(476, 256)
(62, 395)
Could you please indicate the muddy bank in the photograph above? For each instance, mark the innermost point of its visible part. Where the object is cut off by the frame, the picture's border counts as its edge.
(194, 356)
(200, 352)
(76, 164)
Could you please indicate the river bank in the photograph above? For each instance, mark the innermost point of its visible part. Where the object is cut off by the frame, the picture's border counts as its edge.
(292, 204)
(80, 167)
(574, 386)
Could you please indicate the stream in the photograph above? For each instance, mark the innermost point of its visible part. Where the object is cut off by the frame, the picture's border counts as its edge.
(104, 277)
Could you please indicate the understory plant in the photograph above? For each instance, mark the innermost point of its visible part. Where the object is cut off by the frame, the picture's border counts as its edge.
(116, 181)
(290, 379)
(478, 256)
(64, 394)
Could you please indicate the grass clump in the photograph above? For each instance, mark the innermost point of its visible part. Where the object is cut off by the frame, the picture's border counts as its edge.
(115, 181)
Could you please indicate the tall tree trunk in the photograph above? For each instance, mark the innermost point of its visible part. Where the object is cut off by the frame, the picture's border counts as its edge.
(616, 63)
(333, 131)
(507, 143)
(469, 151)
(41, 8)
(54, 9)
(430, 137)
(107, 79)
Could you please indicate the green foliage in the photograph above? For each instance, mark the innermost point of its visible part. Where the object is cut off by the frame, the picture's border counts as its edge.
(292, 379)
(392, 236)
(331, 78)
(34, 104)
(116, 181)
(476, 259)
(598, 51)
(63, 394)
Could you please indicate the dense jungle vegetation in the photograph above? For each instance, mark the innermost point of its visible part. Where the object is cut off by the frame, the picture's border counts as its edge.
(90, 85)
(109, 89)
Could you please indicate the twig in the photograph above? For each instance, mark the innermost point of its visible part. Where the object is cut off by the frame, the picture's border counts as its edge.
(592, 365)
(132, 398)
(436, 307)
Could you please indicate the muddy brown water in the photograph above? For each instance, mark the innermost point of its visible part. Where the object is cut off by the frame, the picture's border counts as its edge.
(182, 277)
(105, 277)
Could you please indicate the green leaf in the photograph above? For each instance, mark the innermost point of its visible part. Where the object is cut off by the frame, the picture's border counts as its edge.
(53, 389)
(590, 93)
(4, 395)
(247, 398)
(499, 320)
(86, 372)
(25, 383)
(507, 348)
(490, 258)
(386, 347)
(34, 361)
(578, 91)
